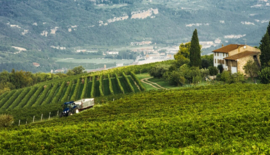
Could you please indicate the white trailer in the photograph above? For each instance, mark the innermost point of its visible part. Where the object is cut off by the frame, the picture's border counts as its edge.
(84, 103)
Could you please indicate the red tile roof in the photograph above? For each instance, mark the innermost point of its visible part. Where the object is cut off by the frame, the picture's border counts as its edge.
(228, 48)
(241, 55)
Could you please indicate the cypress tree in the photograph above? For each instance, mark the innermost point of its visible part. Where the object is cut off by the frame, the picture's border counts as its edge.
(195, 51)
(265, 51)
(268, 29)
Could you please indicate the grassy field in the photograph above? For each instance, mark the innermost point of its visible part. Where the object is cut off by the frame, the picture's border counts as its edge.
(225, 119)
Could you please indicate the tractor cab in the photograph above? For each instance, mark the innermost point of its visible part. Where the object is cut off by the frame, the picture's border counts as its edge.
(68, 108)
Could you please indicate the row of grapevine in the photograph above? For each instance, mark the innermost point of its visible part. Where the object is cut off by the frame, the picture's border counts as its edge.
(84, 88)
(75, 93)
(33, 99)
(51, 94)
(137, 81)
(42, 96)
(11, 99)
(119, 83)
(100, 85)
(7, 96)
(59, 93)
(67, 93)
(19, 98)
(93, 87)
(26, 98)
(127, 80)
(110, 84)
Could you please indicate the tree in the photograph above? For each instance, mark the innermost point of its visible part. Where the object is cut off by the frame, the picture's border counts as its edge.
(183, 52)
(268, 29)
(220, 68)
(213, 70)
(195, 51)
(70, 72)
(264, 75)
(265, 51)
(251, 69)
(78, 70)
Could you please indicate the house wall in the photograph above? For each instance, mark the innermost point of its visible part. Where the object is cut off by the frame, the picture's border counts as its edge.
(220, 56)
(242, 62)
(242, 49)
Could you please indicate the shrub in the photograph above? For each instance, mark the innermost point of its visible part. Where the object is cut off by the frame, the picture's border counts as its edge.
(84, 88)
(213, 70)
(110, 85)
(100, 85)
(205, 63)
(204, 72)
(6, 120)
(176, 78)
(264, 75)
(238, 77)
(220, 68)
(158, 70)
(226, 77)
(93, 87)
(142, 88)
(128, 82)
(119, 84)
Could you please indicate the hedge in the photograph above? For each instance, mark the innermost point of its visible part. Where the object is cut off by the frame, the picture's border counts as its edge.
(42, 96)
(84, 88)
(93, 87)
(11, 99)
(7, 96)
(119, 83)
(51, 94)
(137, 81)
(26, 98)
(19, 98)
(100, 85)
(77, 87)
(67, 93)
(59, 93)
(127, 80)
(110, 85)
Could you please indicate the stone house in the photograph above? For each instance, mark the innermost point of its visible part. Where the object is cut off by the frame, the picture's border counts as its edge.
(234, 57)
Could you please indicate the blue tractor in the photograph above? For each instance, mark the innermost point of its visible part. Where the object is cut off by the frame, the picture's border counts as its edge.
(74, 107)
(69, 108)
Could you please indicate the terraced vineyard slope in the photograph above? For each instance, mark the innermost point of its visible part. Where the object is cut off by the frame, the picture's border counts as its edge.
(59, 92)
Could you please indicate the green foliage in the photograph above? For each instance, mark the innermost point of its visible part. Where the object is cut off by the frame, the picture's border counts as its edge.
(264, 75)
(227, 77)
(78, 70)
(76, 91)
(119, 83)
(19, 98)
(220, 68)
(84, 88)
(6, 120)
(207, 60)
(183, 52)
(176, 78)
(6, 97)
(67, 93)
(110, 85)
(251, 69)
(204, 72)
(195, 51)
(129, 84)
(142, 88)
(51, 95)
(268, 29)
(213, 70)
(34, 98)
(11, 99)
(93, 87)
(101, 85)
(158, 70)
(265, 51)
(26, 98)
(57, 97)
(221, 119)
(42, 96)
(190, 73)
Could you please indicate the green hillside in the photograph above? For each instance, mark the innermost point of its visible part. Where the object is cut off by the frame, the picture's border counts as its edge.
(225, 119)
(55, 93)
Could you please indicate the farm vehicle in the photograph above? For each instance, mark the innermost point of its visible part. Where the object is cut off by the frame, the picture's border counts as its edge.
(74, 107)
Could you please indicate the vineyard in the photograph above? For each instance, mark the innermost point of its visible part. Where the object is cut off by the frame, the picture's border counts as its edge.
(70, 90)
(225, 119)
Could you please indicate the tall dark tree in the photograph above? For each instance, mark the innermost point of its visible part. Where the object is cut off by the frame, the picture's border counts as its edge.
(268, 29)
(265, 51)
(195, 51)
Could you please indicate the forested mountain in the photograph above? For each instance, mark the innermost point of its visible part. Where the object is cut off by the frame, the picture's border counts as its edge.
(40, 26)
